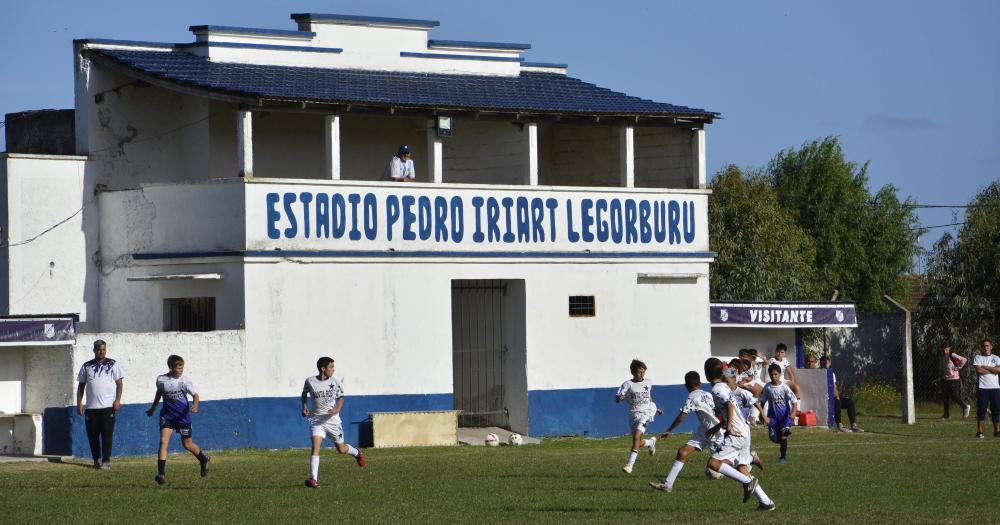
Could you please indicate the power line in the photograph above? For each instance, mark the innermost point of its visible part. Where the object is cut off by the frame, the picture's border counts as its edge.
(937, 226)
(951, 206)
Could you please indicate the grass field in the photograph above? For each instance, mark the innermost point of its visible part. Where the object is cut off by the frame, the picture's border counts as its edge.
(932, 472)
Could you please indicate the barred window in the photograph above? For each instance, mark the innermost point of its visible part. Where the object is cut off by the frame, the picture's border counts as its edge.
(582, 306)
(189, 314)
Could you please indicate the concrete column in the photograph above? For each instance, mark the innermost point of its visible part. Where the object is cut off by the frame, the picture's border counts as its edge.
(244, 143)
(698, 176)
(332, 142)
(532, 137)
(908, 401)
(626, 156)
(435, 154)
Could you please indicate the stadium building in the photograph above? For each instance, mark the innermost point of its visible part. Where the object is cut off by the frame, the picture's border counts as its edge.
(224, 200)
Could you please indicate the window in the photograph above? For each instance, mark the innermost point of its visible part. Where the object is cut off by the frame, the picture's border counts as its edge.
(189, 314)
(582, 306)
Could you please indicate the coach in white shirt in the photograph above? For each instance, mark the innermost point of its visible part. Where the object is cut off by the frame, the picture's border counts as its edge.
(987, 367)
(102, 380)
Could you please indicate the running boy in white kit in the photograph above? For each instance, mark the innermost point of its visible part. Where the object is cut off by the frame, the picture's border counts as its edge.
(639, 393)
(324, 420)
(701, 404)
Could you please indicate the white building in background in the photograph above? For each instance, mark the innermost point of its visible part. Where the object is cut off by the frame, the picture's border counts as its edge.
(232, 187)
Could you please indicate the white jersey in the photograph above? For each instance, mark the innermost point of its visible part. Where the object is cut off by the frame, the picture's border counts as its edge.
(780, 396)
(325, 394)
(100, 378)
(987, 381)
(758, 370)
(639, 396)
(784, 364)
(722, 394)
(701, 404)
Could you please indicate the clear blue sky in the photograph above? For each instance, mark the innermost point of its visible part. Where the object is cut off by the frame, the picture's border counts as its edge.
(912, 86)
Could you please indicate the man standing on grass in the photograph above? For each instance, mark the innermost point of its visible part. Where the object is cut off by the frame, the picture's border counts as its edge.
(102, 379)
(988, 391)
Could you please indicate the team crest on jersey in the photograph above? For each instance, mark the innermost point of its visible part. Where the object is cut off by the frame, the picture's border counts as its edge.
(50, 330)
(724, 315)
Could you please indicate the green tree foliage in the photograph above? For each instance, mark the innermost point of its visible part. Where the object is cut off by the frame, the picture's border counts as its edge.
(762, 253)
(961, 304)
(864, 243)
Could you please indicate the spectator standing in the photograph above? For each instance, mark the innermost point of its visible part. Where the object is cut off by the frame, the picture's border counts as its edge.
(102, 380)
(988, 388)
(951, 384)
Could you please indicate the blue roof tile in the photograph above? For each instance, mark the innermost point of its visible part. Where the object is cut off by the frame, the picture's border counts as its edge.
(527, 92)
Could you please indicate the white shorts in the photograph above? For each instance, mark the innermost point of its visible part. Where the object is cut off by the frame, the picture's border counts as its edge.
(733, 449)
(639, 421)
(327, 427)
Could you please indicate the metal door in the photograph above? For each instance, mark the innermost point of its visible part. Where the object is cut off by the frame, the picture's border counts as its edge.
(478, 352)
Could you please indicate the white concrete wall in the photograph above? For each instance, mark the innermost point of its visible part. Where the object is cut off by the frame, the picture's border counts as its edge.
(574, 155)
(388, 324)
(47, 262)
(215, 361)
(368, 143)
(663, 157)
(48, 377)
(11, 379)
(486, 152)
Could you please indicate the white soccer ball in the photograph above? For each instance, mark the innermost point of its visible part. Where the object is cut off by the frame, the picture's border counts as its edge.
(515, 439)
(711, 474)
(492, 440)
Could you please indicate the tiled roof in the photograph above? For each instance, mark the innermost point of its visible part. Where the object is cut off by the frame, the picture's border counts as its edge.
(528, 92)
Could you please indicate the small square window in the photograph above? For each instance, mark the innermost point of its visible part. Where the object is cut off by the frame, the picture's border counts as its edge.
(189, 314)
(582, 306)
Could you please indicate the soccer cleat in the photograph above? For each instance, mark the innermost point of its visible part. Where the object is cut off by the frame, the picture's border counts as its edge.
(361, 459)
(748, 489)
(160, 480)
(945, 418)
(765, 507)
(855, 428)
(97, 465)
(652, 447)
(661, 486)
(980, 435)
(781, 461)
(842, 428)
(105, 466)
(627, 469)
(966, 410)
(311, 483)
(204, 466)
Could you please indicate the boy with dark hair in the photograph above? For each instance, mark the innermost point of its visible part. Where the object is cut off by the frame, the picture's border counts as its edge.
(987, 366)
(787, 370)
(639, 393)
(701, 403)
(781, 410)
(174, 388)
(324, 420)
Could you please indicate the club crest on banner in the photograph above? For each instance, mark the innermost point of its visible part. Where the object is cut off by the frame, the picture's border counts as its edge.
(50, 330)
(724, 315)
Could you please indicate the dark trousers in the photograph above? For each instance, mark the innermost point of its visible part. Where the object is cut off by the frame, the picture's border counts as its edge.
(848, 403)
(100, 427)
(990, 397)
(951, 390)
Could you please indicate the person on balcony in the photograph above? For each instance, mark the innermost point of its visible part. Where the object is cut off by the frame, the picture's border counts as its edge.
(400, 168)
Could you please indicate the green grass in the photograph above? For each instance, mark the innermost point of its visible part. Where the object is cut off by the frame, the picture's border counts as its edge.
(932, 472)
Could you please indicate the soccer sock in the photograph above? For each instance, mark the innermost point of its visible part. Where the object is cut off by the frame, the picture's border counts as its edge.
(161, 467)
(648, 442)
(201, 457)
(314, 467)
(728, 471)
(631, 457)
(352, 451)
(761, 496)
(675, 470)
(784, 448)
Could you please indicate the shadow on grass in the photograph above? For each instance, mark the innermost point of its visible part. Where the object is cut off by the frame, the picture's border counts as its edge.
(561, 476)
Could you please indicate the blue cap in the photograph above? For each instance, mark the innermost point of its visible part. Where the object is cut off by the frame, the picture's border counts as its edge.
(403, 149)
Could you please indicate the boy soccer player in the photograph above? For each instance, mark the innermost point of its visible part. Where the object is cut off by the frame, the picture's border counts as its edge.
(735, 446)
(176, 415)
(638, 392)
(787, 370)
(324, 420)
(701, 403)
(781, 409)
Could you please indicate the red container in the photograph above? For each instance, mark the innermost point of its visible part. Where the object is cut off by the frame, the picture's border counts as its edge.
(807, 419)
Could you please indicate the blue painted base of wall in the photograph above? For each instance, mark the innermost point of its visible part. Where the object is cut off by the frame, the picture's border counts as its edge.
(592, 412)
(276, 422)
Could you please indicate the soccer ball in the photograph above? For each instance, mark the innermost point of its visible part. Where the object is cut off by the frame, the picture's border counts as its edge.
(492, 440)
(711, 474)
(515, 439)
